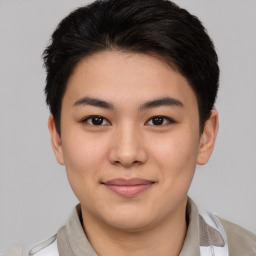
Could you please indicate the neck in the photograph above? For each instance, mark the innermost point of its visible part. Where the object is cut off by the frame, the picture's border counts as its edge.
(164, 238)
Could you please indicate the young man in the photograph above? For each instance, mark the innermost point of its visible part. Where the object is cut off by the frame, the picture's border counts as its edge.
(131, 86)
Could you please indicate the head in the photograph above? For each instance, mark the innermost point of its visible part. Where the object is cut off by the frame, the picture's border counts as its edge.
(153, 27)
(131, 86)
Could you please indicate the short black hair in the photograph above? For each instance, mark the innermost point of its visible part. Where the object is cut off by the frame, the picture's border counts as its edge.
(154, 27)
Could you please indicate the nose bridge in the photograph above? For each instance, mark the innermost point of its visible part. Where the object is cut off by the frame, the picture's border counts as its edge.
(127, 145)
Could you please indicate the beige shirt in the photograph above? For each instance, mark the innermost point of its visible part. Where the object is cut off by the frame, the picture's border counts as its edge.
(72, 240)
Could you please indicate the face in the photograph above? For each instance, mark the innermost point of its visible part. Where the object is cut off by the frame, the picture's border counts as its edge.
(130, 139)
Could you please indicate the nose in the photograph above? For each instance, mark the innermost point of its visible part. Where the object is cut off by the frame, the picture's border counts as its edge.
(127, 147)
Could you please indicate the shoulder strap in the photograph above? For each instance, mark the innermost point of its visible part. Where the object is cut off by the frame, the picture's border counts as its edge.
(46, 248)
(213, 250)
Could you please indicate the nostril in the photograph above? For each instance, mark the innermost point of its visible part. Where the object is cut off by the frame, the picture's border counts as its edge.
(127, 155)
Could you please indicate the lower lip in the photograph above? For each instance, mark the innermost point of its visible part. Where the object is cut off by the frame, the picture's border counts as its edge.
(129, 190)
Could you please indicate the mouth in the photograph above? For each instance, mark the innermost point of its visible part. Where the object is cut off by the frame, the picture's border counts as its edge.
(128, 187)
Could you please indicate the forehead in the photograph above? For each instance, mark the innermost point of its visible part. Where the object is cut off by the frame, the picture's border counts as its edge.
(122, 77)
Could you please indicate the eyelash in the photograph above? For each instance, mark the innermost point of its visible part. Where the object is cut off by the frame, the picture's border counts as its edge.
(169, 120)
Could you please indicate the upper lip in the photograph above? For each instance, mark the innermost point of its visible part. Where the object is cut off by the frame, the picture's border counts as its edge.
(127, 182)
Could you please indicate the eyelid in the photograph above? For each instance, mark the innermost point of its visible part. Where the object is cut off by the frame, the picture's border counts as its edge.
(85, 119)
(170, 120)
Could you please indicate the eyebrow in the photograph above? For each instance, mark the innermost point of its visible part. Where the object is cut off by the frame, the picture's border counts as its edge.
(165, 101)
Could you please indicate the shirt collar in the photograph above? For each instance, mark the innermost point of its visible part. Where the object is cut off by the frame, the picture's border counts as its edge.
(72, 240)
(192, 241)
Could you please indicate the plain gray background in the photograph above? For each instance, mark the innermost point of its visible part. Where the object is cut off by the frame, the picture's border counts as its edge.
(35, 197)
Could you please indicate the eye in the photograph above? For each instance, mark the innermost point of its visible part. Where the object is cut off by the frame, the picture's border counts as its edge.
(95, 120)
(160, 120)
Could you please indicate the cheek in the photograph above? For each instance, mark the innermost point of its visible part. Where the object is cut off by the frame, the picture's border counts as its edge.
(83, 157)
(176, 154)
(174, 159)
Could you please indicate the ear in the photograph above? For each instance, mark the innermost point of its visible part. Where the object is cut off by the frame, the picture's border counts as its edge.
(55, 140)
(208, 138)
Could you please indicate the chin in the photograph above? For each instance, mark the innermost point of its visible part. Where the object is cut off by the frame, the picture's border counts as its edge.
(131, 224)
(130, 220)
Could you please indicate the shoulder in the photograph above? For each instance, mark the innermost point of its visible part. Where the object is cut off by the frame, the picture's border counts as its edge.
(45, 248)
(15, 251)
(240, 240)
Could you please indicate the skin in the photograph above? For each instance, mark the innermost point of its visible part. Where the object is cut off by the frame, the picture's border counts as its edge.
(128, 144)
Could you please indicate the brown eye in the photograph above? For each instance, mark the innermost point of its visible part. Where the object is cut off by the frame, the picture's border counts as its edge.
(160, 120)
(95, 120)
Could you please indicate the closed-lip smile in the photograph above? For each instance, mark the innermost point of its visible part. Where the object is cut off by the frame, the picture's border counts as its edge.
(128, 187)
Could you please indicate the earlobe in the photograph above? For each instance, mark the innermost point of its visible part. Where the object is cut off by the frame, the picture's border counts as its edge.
(55, 140)
(208, 138)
